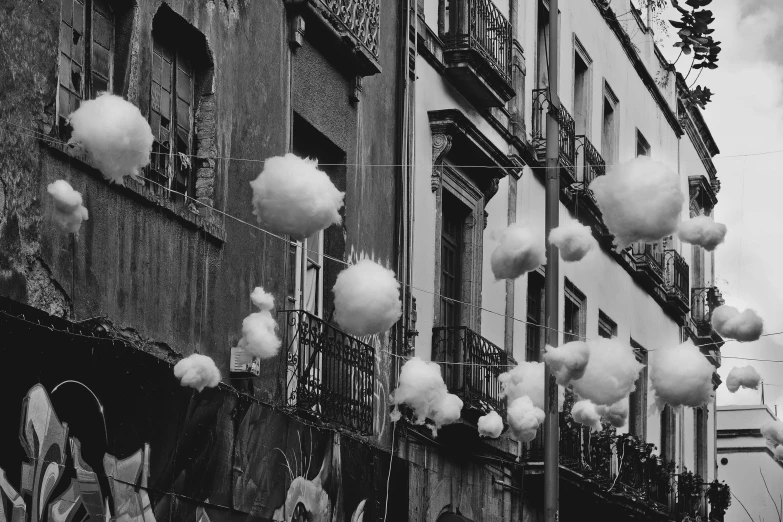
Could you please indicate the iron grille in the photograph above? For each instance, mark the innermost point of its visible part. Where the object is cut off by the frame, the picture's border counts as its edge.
(676, 277)
(475, 380)
(567, 139)
(703, 302)
(566, 134)
(649, 256)
(330, 374)
(361, 18)
(591, 166)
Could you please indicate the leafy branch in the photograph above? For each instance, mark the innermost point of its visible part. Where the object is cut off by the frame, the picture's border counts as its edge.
(695, 33)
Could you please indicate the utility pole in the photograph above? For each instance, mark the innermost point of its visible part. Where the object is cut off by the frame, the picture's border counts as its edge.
(552, 220)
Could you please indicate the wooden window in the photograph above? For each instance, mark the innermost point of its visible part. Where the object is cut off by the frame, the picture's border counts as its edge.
(610, 126)
(582, 89)
(606, 327)
(637, 403)
(574, 313)
(86, 55)
(451, 250)
(668, 430)
(642, 147)
(171, 119)
(535, 315)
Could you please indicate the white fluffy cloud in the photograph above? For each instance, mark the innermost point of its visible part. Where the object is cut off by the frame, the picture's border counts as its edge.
(569, 361)
(490, 425)
(291, 196)
(640, 200)
(743, 326)
(524, 418)
(197, 371)
(259, 329)
(779, 452)
(526, 379)
(616, 414)
(68, 209)
(114, 134)
(702, 231)
(573, 239)
(681, 376)
(520, 250)
(773, 431)
(366, 299)
(743, 376)
(585, 412)
(611, 372)
(421, 387)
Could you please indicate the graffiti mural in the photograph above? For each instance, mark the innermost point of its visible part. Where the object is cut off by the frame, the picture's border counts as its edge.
(93, 429)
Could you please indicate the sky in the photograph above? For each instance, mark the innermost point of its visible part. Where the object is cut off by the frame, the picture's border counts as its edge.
(746, 117)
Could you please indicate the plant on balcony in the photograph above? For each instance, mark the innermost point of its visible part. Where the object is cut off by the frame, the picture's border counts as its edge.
(719, 495)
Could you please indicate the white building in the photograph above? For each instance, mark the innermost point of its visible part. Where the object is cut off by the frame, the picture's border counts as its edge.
(480, 110)
(744, 457)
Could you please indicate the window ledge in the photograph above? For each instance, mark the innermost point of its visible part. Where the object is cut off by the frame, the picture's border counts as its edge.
(205, 221)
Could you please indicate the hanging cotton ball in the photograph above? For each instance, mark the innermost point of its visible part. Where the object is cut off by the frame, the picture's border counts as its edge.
(743, 376)
(259, 329)
(520, 250)
(291, 196)
(366, 299)
(68, 210)
(616, 414)
(490, 425)
(197, 371)
(585, 412)
(773, 431)
(524, 419)
(640, 200)
(611, 373)
(421, 387)
(116, 137)
(573, 239)
(743, 326)
(778, 453)
(702, 231)
(526, 379)
(681, 376)
(568, 362)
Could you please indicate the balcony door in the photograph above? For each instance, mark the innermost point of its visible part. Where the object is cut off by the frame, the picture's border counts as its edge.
(451, 262)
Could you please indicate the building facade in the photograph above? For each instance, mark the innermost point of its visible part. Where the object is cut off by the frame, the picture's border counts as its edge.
(747, 463)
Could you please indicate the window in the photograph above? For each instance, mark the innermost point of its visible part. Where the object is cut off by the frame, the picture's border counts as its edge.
(86, 55)
(610, 126)
(542, 61)
(451, 247)
(573, 314)
(535, 314)
(581, 89)
(606, 327)
(668, 429)
(637, 412)
(701, 430)
(642, 147)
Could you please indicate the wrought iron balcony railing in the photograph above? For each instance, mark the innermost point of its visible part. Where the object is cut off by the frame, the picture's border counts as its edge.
(361, 18)
(477, 383)
(703, 301)
(331, 374)
(649, 258)
(566, 135)
(676, 278)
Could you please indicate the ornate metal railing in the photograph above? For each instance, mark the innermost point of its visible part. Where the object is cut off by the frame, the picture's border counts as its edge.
(649, 256)
(538, 123)
(330, 374)
(676, 277)
(476, 381)
(567, 139)
(691, 496)
(566, 134)
(703, 301)
(361, 18)
(641, 471)
(589, 164)
(480, 26)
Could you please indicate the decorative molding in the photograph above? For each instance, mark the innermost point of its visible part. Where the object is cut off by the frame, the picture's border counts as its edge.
(441, 144)
(701, 193)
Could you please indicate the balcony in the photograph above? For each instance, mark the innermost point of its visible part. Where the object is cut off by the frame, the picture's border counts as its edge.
(703, 302)
(477, 52)
(649, 260)
(331, 375)
(475, 380)
(676, 281)
(589, 165)
(566, 135)
(350, 28)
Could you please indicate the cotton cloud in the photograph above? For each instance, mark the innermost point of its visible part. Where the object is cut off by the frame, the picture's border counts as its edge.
(616, 414)
(568, 362)
(366, 299)
(585, 412)
(114, 134)
(743, 376)
(702, 231)
(520, 250)
(573, 239)
(773, 431)
(68, 209)
(197, 371)
(526, 379)
(779, 452)
(524, 419)
(291, 196)
(640, 201)
(490, 425)
(421, 387)
(743, 326)
(611, 372)
(259, 329)
(681, 376)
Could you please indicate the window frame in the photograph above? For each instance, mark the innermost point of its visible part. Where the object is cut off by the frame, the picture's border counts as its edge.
(642, 145)
(581, 53)
(637, 401)
(607, 324)
(573, 294)
(610, 151)
(538, 319)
